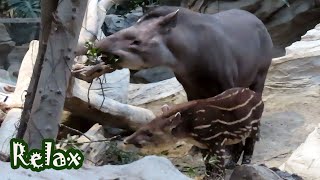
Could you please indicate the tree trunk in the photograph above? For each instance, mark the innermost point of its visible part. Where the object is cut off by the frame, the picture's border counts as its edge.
(47, 8)
(56, 71)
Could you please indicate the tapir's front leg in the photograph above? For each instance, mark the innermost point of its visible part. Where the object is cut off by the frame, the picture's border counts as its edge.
(215, 170)
(235, 152)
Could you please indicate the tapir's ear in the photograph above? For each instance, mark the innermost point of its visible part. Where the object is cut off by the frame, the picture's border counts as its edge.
(165, 108)
(177, 128)
(169, 21)
(176, 119)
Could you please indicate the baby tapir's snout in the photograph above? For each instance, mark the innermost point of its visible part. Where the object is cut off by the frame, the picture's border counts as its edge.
(156, 133)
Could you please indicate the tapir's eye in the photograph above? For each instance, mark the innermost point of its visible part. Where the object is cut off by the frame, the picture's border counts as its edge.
(148, 133)
(136, 42)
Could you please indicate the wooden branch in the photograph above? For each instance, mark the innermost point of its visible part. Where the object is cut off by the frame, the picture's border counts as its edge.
(106, 111)
(88, 73)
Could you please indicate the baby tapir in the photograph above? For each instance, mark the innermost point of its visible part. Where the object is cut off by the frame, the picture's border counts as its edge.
(228, 118)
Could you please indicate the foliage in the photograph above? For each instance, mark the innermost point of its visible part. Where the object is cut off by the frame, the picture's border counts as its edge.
(190, 171)
(24, 8)
(92, 53)
(117, 156)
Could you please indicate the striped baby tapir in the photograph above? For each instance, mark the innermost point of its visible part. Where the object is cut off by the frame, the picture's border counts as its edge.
(229, 118)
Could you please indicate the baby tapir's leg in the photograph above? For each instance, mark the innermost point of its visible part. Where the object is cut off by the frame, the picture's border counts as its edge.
(250, 143)
(216, 169)
(248, 150)
(235, 152)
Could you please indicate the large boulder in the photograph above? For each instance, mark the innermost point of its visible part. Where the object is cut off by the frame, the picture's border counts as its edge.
(147, 168)
(305, 161)
(309, 42)
(256, 172)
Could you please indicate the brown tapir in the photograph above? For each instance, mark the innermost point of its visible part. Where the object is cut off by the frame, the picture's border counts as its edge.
(228, 118)
(208, 53)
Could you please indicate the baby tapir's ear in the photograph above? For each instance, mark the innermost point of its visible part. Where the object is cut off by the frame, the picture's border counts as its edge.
(177, 128)
(175, 120)
(169, 21)
(165, 108)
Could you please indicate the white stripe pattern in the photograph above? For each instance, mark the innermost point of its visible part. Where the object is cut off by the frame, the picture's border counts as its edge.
(240, 120)
(233, 108)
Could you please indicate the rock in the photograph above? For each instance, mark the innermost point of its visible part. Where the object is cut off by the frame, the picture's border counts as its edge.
(2, 116)
(114, 23)
(18, 52)
(6, 88)
(6, 78)
(13, 71)
(25, 73)
(149, 167)
(154, 95)
(151, 75)
(4, 97)
(309, 42)
(285, 175)
(256, 172)
(305, 161)
(3, 111)
(94, 153)
(6, 45)
(113, 85)
(8, 129)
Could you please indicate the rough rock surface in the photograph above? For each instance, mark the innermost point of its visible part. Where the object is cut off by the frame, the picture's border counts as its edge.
(309, 42)
(153, 95)
(6, 45)
(305, 161)
(114, 23)
(147, 168)
(151, 75)
(292, 96)
(256, 172)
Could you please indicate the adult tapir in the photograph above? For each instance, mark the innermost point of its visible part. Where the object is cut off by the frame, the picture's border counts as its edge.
(208, 53)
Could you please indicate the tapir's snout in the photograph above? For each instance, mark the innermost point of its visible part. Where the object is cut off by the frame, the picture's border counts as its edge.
(131, 145)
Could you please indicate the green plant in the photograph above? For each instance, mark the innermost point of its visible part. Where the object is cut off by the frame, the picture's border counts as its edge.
(92, 53)
(117, 156)
(24, 8)
(190, 171)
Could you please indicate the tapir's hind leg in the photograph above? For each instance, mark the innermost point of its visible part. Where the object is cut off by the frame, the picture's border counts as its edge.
(259, 81)
(257, 86)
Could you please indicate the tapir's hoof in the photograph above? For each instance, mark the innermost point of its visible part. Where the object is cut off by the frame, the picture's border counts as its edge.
(213, 176)
(231, 165)
(246, 160)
